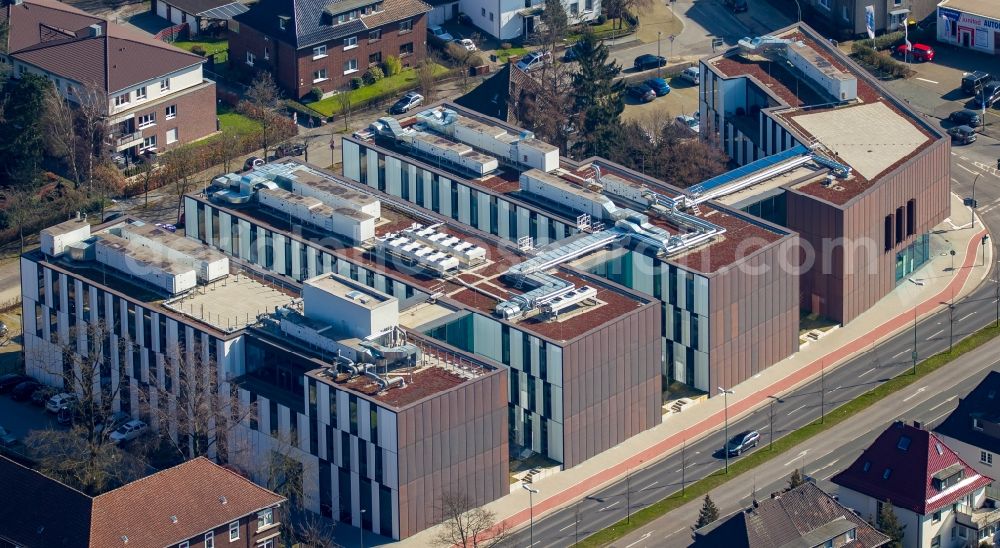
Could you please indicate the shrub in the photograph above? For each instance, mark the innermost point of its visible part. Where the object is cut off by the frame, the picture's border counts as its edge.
(506, 45)
(888, 40)
(476, 60)
(877, 61)
(373, 74)
(197, 49)
(357, 83)
(392, 65)
(601, 19)
(316, 93)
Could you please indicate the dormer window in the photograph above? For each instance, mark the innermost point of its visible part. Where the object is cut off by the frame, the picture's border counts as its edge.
(904, 443)
(887, 473)
(282, 22)
(867, 466)
(977, 424)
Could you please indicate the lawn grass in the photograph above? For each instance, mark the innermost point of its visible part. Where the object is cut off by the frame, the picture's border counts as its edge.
(211, 46)
(229, 119)
(504, 54)
(386, 87)
(603, 31)
(850, 409)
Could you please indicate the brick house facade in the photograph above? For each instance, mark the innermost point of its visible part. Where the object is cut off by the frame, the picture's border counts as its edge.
(322, 52)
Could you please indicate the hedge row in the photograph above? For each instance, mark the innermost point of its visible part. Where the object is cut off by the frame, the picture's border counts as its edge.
(877, 61)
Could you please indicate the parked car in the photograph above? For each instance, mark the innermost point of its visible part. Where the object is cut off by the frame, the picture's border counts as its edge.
(67, 414)
(129, 431)
(42, 395)
(658, 85)
(252, 162)
(641, 93)
(113, 423)
(741, 442)
(688, 122)
(439, 33)
(9, 381)
(407, 102)
(737, 6)
(468, 44)
(533, 60)
(113, 215)
(59, 401)
(973, 82)
(647, 61)
(691, 74)
(987, 96)
(571, 54)
(167, 227)
(966, 117)
(919, 52)
(6, 438)
(24, 390)
(291, 149)
(962, 135)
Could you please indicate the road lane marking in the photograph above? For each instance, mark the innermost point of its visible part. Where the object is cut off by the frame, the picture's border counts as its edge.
(967, 169)
(915, 394)
(642, 538)
(835, 389)
(567, 527)
(936, 333)
(650, 485)
(797, 457)
(935, 419)
(901, 353)
(963, 158)
(675, 532)
(926, 80)
(792, 412)
(967, 315)
(867, 372)
(942, 403)
(608, 507)
(825, 467)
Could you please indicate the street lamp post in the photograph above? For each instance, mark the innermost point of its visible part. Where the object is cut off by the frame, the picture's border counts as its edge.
(914, 353)
(363, 527)
(822, 391)
(951, 325)
(770, 413)
(531, 513)
(984, 241)
(683, 466)
(658, 34)
(725, 448)
(997, 276)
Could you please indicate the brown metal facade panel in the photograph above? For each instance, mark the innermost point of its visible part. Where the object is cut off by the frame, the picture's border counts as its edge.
(754, 311)
(850, 268)
(452, 449)
(611, 384)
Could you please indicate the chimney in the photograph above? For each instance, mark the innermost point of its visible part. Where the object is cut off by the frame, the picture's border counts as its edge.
(95, 30)
(916, 424)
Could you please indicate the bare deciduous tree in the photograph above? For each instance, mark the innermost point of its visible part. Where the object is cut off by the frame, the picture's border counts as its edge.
(618, 8)
(427, 80)
(85, 456)
(227, 147)
(20, 205)
(200, 410)
(344, 100)
(179, 172)
(545, 105)
(312, 532)
(469, 526)
(262, 97)
(60, 130)
(93, 133)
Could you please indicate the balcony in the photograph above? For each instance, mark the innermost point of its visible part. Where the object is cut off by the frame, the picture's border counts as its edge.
(128, 140)
(977, 518)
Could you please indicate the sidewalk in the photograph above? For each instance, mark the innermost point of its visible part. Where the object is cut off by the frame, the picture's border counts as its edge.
(929, 290)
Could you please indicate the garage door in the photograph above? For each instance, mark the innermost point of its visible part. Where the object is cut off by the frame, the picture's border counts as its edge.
(161, 9)
(175, 15)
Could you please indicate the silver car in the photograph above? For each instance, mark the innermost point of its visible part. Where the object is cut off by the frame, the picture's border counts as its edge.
(691, 74)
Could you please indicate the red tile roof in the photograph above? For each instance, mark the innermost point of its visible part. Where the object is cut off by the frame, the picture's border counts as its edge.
(192, 492)
(910, 481)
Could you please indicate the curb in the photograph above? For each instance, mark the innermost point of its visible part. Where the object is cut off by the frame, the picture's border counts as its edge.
(804, 374)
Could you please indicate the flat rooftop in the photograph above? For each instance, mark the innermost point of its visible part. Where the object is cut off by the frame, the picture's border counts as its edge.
(232, 303)
(985, 8)
(350, 290)
(871, 134)
(479, 288)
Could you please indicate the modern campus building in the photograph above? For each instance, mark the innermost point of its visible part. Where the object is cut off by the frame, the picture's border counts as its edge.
(865, 218)
(461, 295)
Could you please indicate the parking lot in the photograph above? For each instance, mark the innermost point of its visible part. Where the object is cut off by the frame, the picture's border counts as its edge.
(19, 418)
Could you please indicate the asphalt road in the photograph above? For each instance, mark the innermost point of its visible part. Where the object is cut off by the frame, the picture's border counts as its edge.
(801, 406)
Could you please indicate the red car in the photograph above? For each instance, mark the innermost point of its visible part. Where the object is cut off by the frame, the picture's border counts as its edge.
(920, 52)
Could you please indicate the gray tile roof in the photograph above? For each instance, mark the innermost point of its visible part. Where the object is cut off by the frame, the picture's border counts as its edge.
(982, 403)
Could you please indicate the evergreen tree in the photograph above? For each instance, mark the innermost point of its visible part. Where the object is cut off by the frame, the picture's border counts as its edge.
(795, 480)
(598, 98)
(554, 21)
(889, 524)
(21, 134)
(709, 513)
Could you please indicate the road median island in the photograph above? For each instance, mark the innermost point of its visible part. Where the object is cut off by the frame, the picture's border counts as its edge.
(698, 489)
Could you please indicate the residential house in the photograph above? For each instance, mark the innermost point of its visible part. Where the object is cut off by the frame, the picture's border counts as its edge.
(935, 494)
(803, 516)
(843, 19)
(156, 95)
(197, 503)
(973, 429)
(311, 44)
(518, 19)
(201, 16)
